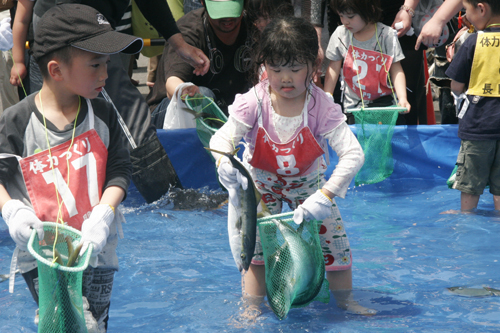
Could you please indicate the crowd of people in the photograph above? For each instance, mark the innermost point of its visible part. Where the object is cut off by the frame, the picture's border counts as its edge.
(284, 92)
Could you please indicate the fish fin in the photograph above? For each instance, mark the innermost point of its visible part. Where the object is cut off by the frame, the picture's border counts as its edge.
(224, 153)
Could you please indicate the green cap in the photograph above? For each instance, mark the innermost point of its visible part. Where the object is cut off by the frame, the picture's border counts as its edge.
(218, 9)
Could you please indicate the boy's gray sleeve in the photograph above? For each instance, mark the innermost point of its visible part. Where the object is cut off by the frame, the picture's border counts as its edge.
(118, 166)
(12, 125)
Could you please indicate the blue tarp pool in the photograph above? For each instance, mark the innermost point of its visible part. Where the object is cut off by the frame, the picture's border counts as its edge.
(177, 273)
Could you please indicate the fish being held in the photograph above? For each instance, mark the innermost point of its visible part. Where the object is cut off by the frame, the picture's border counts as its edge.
(242, 221)
(474, 292)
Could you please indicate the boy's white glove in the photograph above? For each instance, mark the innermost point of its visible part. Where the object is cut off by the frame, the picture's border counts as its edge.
(231, 179)
(21, 219)
(95, 229)
(6, 41)
(461, 104)
(317, 207)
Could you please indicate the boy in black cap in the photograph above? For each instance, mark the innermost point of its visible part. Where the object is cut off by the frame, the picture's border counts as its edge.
(75, 167)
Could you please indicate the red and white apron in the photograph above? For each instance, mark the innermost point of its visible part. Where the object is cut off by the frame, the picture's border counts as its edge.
(292, 158)
(77, 194)
(365, 69)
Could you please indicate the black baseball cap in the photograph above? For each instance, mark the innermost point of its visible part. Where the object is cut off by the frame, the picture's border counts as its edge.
(83, 27)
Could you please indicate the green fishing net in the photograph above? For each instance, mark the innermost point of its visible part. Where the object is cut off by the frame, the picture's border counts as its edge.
(209, 118)
(295, 267)
(60, 286)
(374, 129)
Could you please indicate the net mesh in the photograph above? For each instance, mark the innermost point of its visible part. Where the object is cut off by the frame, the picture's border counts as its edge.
(209, 117)
(375, 127)
(295, 267)
(60, 283)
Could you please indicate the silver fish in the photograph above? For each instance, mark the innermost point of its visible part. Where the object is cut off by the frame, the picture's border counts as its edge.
(242, 221)
(474, 292)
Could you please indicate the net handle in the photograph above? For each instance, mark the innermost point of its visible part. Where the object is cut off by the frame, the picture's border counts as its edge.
(382, 108)
(284, 217)
(38, 257)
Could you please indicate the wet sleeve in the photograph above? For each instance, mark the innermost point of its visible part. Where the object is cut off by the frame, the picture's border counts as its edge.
(351, 159)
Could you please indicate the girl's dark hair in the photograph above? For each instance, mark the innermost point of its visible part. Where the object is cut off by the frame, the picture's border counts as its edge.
(369, 10)
(494, 4)
(285, 41)
(268, 9)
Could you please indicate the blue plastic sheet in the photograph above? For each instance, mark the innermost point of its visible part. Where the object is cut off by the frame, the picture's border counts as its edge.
(423, 152)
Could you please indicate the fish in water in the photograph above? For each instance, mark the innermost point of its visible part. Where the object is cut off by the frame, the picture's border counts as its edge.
(474, 292)
(5, 277)
(242, 221)
(296, 265)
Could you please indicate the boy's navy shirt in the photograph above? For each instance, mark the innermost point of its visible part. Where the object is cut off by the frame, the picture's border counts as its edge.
(482, 119)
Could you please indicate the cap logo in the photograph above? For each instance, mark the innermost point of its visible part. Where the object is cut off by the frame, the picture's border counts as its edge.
(101, 19)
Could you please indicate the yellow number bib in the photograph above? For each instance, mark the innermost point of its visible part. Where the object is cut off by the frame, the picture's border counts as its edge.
(485, 72)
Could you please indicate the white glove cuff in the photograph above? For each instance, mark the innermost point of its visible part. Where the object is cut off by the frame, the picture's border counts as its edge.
(323, 198)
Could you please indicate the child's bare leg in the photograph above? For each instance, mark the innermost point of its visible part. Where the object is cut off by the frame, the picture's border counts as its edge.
(253, 287)
(468, 201)
(253, 283)
(496, 202)
(341, 287)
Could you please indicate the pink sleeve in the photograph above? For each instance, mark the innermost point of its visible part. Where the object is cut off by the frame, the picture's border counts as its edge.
(328, 114)
(244, 108)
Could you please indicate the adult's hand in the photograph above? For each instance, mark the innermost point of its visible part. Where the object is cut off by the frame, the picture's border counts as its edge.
(432, 30)
(192, 55)
(404, 17)
(430, 34)
(191, 91)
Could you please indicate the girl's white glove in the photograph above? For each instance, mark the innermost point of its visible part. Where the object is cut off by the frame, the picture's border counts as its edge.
(95, 229)
(6, 41)
(21, 219)
(317, 207)
(231, 179)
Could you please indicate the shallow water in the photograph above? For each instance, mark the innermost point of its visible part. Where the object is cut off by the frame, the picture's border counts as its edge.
(177, 273)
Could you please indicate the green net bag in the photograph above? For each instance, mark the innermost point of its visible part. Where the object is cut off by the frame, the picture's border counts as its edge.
(295, 267)
(374, 129)
(60, 286)
(209, 118)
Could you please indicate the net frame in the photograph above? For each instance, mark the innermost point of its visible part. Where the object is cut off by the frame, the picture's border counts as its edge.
(60, 287)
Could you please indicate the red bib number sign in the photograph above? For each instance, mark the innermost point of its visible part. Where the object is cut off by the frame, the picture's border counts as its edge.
(79, 188)
(365, 71)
